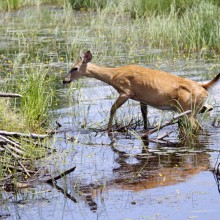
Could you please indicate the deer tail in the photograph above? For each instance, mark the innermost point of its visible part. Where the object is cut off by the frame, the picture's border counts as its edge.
(211, 83)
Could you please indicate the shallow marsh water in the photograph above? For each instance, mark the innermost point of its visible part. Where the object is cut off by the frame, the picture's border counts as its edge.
(116, 177)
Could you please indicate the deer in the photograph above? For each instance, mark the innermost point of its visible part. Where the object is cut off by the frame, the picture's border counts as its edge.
(150, 87)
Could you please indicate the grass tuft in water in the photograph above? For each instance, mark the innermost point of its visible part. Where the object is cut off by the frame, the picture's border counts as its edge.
(37, 98)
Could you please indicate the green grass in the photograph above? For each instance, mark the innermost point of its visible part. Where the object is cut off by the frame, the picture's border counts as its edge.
(196, 29)
(31, 112)
(37, 98)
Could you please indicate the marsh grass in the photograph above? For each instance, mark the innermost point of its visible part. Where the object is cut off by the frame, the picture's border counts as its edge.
(27, 114)
(37, 98)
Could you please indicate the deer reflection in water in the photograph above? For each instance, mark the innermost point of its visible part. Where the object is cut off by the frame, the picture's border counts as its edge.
(151, 170)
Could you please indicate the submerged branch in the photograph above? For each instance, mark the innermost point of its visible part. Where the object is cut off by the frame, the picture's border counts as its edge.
(61, 175)
(69, 196)
(172, 121)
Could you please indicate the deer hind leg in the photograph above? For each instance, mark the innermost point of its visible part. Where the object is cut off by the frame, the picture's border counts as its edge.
(118, 103)
(144, 114)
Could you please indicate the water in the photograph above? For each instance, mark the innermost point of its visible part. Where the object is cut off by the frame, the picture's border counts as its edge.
(116, 177)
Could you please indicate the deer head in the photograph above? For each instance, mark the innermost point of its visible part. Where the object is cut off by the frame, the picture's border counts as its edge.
(79, 69)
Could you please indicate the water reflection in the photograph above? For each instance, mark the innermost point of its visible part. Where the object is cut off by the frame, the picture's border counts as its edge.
(146, 170)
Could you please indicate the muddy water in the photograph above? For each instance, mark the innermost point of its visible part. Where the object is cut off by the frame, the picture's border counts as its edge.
(119, 176)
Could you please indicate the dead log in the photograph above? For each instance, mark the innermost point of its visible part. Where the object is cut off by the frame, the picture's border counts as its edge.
(172, 121)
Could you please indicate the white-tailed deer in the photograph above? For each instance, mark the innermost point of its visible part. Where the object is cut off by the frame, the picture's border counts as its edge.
(156, 88)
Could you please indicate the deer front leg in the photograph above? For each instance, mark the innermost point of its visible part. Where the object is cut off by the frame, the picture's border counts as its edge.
(144, 114)
(118, 103)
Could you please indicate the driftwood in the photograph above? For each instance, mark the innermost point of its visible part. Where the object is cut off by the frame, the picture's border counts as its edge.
(19, 135)
(172, 121)
(10, 95)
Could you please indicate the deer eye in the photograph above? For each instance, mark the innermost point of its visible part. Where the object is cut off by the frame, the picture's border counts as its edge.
(74, 69)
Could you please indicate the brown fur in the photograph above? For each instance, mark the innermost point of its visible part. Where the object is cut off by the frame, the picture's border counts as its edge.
(156, 88)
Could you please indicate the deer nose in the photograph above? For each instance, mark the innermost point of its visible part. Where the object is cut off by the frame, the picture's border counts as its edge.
(66, 81)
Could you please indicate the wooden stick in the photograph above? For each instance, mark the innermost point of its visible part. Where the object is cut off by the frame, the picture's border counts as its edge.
(60, 176)
(18, 135)
(172, 121)
(24, 168)
(11, 152)
(17, 157)
(16, 146)
(166, 134)
(10, 95)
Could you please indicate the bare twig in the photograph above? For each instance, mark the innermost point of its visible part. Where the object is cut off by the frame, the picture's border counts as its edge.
(172, 121)
(24, 168)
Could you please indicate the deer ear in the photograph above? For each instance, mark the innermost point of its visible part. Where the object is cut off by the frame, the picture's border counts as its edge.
(87, 57)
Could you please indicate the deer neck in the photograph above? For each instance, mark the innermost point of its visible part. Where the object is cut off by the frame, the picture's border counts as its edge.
(101, 73)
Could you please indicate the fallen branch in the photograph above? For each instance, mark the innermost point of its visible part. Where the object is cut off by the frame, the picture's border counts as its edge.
(7, 147)
(10, 95)
(166, 134)
(16, 147)
(18, 135)
(60, 176)
(172, 121)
